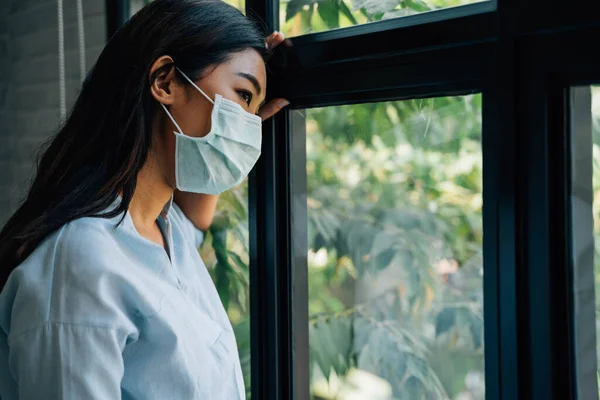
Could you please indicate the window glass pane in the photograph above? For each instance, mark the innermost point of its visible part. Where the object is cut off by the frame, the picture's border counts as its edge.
(395, 266)
(298, 17)
(585, 203)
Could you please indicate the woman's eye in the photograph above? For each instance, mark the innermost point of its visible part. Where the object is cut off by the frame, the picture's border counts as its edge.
(246, 96)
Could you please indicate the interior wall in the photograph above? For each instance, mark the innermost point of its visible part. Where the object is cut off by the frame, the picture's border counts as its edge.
(29, 81)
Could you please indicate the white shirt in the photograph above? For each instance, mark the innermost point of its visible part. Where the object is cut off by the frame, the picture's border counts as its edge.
(99, 312)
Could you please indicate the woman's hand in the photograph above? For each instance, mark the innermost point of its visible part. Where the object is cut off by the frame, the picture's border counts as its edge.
(275, 105)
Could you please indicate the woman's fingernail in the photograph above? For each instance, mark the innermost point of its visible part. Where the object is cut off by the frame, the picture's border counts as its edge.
(282, 103)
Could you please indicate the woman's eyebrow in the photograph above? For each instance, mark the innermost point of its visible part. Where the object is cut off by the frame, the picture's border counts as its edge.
(252, 79)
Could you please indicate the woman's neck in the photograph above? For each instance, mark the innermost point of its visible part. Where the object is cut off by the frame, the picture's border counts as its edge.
(151, 194)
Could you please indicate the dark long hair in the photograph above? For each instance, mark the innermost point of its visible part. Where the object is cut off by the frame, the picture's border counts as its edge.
(101, 147)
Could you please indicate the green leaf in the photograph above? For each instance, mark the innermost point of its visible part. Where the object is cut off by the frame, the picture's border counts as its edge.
(359, 236)
(417, 5)
(331, 343)
(326, 224)
(220, 221)
(241, 294)
(362, 329)
(403, 12)
(222, 284)
(233, 201)
(398, 356)
(347, 13)
(242, 267)
(223, 267)
(445, 320)
(373, 7)
(341, 333)
(295, 6)
(318, 348)
(476, 328)
(242, 335)
(463, 316)
(383, 251)
(384, 258)
(330, 13)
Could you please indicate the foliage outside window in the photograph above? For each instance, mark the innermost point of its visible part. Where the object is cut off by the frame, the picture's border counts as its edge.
(298, 17)
(596, 209)
(395, 258)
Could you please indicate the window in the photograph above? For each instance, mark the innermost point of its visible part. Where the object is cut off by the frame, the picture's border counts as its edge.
(429, 139)
(298, 17)
(395, 266)
(585, 203)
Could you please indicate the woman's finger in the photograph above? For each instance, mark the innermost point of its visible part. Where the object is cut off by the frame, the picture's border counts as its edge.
(274, 40)
(272, 108)
(275, 105)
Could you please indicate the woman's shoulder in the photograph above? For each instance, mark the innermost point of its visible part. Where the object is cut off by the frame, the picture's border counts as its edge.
(84, 240)
(72, 277)
(88, 236)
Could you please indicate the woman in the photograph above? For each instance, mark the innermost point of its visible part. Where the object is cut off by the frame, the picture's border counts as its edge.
(104, 295)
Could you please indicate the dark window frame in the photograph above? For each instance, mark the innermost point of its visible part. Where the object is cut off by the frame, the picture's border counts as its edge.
(523, 55)
(117, 13)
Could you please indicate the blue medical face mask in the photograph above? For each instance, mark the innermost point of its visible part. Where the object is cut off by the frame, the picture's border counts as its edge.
(222, 159)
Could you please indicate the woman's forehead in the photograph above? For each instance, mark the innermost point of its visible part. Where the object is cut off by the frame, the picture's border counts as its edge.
(248, 61)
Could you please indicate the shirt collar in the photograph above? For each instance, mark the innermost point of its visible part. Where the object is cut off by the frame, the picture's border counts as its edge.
(165, 211)
(163, 214)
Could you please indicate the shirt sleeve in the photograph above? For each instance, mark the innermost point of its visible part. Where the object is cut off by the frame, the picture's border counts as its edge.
(195, 235)
(67, 361)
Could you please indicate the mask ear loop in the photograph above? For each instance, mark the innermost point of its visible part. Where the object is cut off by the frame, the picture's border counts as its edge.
(172, 119)
(194, 85)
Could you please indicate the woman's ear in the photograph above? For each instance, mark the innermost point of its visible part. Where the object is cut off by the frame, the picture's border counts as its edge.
(163, 83)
